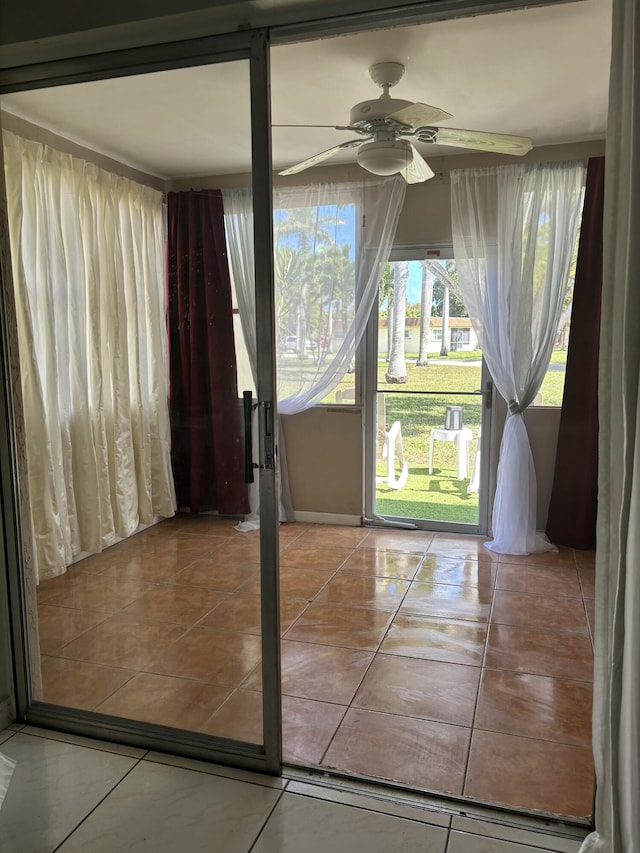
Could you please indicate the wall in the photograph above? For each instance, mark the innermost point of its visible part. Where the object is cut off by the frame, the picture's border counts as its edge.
(38, 134)
(325, 460)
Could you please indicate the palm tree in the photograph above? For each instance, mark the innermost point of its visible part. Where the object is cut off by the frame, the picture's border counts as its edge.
(448, 279)
(385, 297)
(397, 369)
(425, 314)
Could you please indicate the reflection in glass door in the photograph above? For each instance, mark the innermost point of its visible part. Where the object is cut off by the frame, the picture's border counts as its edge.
(428, 402)
(134, 350)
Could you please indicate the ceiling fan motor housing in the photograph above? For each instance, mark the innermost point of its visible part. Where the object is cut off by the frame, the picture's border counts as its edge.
(367, 112)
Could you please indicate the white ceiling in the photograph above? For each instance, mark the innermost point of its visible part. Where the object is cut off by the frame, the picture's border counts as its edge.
(539, 72)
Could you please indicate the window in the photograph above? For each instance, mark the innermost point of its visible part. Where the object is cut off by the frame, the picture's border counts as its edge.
(315, 283)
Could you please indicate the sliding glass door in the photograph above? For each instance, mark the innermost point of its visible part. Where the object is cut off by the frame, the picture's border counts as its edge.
(141, 359)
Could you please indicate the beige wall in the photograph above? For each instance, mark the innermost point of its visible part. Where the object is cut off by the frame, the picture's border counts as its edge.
(38, 134)
(325, 460)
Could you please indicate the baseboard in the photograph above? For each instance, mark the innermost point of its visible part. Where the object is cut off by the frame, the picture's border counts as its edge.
(328, 518)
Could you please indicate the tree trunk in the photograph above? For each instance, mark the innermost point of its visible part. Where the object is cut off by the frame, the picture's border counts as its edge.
(389, 324)
(425, 315)
(444, 350)
(397, 369)
(561, 338)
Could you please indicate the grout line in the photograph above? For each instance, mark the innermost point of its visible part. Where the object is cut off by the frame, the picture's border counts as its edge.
(481, 678)
(266, 820)
(97, 805)
(375, 653)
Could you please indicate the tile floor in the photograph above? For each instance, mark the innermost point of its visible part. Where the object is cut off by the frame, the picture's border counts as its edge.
(418, 658)
(76, 795)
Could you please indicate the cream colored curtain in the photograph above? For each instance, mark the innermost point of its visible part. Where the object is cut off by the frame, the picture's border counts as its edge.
(616, 718)
(88, 259)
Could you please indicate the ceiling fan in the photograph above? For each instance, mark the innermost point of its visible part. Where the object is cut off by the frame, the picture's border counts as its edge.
(388, 125)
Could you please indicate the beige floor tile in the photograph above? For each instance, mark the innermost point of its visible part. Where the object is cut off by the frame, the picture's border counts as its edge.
(333, 625)
(467, 603)
(114, 642)
(378, 593)
(409, 542)
(535, 706)
(181, 605)
(530, 774)
(421, 753)
(452, 570)
(539, 652)
(539, 580)
(433, 638)
(96, 592)
(326, 673)
(317, 557)
(204, 654)
(431, 690)
(462, 547)
(380, 563)
(57, 626)
(559, 615)
(332, 534)
(224, 574)
(166, 701)
(77, 684)
(562, 557)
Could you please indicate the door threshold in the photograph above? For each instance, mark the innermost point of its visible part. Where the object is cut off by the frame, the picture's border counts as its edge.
(381, 521)
(356, 789)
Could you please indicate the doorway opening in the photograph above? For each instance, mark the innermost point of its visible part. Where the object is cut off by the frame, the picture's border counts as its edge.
(428, 400)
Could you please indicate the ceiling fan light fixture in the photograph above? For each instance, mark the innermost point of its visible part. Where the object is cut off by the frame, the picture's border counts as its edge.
(385, 157)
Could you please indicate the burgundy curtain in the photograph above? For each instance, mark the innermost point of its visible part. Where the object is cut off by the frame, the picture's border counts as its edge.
(572, 511)
(206, 428)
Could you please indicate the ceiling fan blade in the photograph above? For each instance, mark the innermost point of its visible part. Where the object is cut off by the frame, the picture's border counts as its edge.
(499, 143)
(418, 170)
(419, 115)
(332, 126)
(318, 158)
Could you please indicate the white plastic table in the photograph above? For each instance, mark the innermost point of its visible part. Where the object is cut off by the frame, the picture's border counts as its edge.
(462, 437)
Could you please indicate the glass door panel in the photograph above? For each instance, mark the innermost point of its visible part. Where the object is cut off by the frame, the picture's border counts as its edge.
(133, 342)
(426, 401)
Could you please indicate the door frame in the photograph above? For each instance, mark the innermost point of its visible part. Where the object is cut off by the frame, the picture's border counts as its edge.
(253, 47)
(419, 253)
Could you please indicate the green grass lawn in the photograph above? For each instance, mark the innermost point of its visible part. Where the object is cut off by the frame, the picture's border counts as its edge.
(436, 497)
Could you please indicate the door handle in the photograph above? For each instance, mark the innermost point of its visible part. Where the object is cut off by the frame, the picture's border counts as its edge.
(488, 394)
(249, 465)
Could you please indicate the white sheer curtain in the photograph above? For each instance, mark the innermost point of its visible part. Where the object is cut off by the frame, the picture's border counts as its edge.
(616, 710)
(88, 252)
(327, 279)
(238, 226)
(514, 231)
(331, 243)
